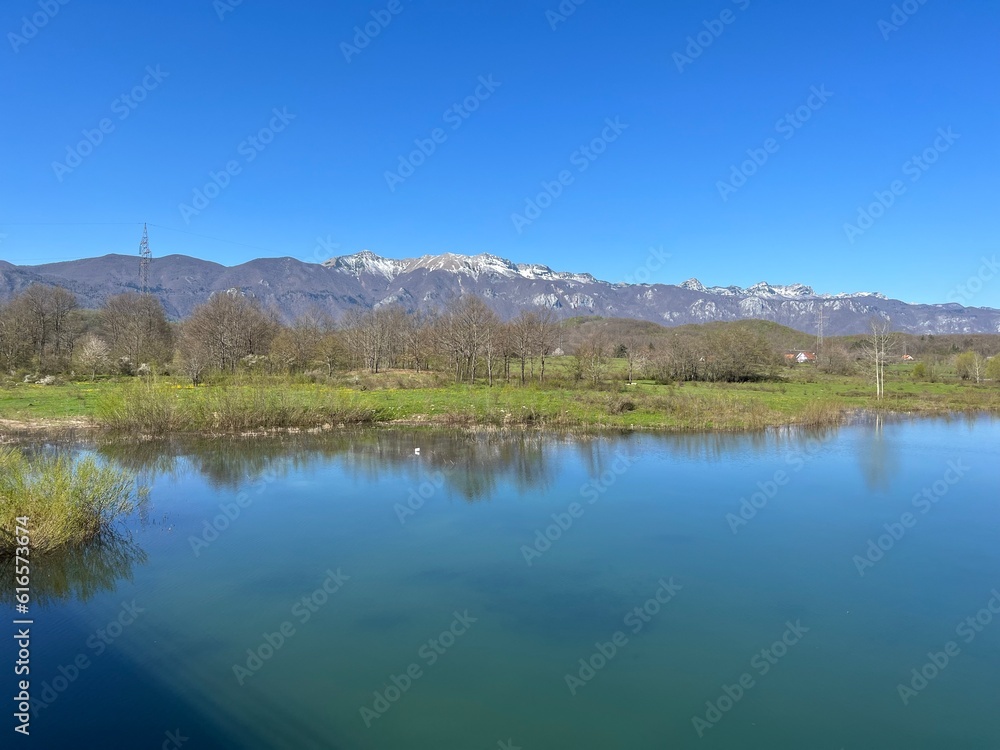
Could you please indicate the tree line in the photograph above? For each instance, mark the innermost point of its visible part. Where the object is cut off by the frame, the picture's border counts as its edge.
(44, 332)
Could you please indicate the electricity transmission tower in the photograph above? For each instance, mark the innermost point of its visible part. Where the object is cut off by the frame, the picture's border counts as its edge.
(819, 334)
(144, 257)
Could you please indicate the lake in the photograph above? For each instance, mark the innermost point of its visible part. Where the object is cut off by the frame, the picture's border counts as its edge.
(431, 589)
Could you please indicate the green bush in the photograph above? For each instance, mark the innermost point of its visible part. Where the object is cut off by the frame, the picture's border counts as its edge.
(68, 501)
(993, 368)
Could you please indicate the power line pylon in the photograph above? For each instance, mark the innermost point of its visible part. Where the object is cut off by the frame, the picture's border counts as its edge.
(819, 335)
(144, 257)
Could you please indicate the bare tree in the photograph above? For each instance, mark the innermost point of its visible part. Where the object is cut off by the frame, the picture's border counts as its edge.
(297, 346)
(330, 349)
(878, 346)
(592, 357)
(837, 360)
(224, 331)
(15, 337)
(136, 328)
(682, 359)
(46, 310)
(546, 327)
(521, 334)
(464, 332)
(355, 325)
(533, 334)
(493, 343)
(191, 358)
(376, 338)
(417, 338)
(636, 350)
(396, 323)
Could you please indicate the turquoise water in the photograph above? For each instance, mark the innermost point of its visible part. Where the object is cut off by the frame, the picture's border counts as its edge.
(450, 619)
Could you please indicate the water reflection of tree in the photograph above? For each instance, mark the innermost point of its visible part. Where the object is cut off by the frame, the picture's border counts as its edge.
(878, 455)
(717, 446)
(145, 458)
(597, 454)
(77, 572)
(225, 463)
(473, 464)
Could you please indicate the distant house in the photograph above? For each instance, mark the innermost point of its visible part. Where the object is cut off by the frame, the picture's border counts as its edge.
(800, 357)
(907, 358)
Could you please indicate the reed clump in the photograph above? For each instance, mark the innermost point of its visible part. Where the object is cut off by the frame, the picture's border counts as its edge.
(62, 501)
(152, 409)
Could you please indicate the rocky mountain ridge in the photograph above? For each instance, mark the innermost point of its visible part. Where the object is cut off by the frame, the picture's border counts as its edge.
(366, 280)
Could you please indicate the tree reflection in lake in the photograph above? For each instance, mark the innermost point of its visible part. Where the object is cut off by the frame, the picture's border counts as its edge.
(718, 446)
(878, 455)
(77, 572)
(474, 464)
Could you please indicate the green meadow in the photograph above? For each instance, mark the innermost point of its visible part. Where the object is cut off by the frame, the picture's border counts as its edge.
(258, 402)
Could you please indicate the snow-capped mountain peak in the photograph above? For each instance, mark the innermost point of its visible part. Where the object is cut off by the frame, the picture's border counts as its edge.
(693, 285)
(761, 289)
(487, 266)
(477, 266)
(367, 262)
(365, 281)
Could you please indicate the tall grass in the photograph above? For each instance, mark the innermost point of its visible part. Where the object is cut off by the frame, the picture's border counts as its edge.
(261, 403)
(712, 409)
(141, 408)
(262, 407)
(68, 502)
(158, 409)
(821, 412)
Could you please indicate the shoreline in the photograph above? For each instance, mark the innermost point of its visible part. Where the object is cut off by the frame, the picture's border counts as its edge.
(16, 430)
(260, 406)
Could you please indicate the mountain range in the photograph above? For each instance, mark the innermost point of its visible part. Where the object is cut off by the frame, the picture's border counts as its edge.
(366, 280)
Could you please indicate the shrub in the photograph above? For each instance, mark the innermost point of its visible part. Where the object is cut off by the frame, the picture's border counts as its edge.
(620, 405)
(69, 502)
(993, 368)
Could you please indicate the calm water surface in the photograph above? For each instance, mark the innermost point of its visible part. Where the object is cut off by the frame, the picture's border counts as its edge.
(537, 592)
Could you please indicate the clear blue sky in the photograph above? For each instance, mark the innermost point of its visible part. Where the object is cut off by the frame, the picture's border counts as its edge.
(655, 185)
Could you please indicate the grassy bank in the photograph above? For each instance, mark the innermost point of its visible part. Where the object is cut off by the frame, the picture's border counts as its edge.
(67, 502)
(132, 406)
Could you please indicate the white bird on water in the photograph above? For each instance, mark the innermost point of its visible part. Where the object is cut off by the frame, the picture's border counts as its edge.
(416, 451)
